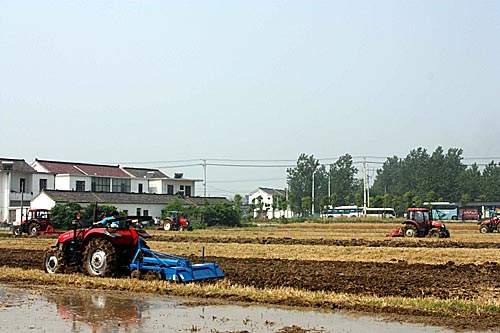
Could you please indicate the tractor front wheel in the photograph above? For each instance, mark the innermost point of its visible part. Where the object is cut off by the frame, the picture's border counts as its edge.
(410, 231)
(484, 229)
(53, 262)
(167, 226)
(17, 231)
(100, 258)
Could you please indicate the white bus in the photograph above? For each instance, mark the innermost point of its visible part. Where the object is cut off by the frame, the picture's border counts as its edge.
(381, 212)
(343, 211)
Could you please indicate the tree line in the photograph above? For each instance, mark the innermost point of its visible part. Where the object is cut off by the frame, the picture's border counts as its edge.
(400, 182)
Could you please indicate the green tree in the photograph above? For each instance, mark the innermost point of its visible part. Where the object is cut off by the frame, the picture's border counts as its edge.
(63, 214)
(343, 183)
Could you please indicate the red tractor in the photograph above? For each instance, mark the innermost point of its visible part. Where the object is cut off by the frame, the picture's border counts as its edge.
(176, 221)
(36, 223)
(491, 225)
(419, 224)
(116, 246)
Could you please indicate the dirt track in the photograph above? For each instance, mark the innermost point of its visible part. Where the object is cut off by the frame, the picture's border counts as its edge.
(330, 242)
(380, 279)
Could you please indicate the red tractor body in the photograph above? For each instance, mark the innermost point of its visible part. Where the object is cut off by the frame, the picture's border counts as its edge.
(419, 224)
(176, 221)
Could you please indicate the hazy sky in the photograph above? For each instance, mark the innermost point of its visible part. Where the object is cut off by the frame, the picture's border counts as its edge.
(117, 81)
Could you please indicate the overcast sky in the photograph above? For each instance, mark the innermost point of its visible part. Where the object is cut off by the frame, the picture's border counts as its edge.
(116, 81)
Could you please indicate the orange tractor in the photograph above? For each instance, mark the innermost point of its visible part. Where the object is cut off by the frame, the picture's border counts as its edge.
(420, 224)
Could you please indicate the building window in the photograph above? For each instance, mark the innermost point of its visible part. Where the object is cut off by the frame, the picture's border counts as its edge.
(170, 189)
(22, 184)
(100, 184)
(187, 190)
(43, 184)
(80, 186)
(121, 185)
(145, 212)
(140, 188)
(138, 212)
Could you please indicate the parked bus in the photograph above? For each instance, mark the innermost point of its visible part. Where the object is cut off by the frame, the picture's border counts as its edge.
(343, 211)
(443, 210)
(381, 212)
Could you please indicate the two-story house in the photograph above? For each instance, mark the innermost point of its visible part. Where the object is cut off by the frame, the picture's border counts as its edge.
(267, 203)
(19, 183)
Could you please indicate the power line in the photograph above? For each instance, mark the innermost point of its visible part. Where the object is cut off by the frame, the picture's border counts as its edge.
(245, 180)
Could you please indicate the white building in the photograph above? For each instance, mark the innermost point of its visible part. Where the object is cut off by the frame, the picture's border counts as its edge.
(19, 183)
(86, 177)
(269, 199)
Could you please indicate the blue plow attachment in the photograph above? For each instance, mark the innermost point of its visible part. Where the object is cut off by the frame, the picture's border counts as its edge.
(174, 268)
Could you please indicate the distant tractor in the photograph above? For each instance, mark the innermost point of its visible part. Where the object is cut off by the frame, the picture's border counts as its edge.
(175, 221)
(491, 225)
(419, 224)
(36, 223)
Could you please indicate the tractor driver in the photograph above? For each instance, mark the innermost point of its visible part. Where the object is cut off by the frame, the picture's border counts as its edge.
(111, 220)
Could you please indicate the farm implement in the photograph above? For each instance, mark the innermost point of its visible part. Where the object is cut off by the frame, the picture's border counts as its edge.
(118, 248)
(419, 224)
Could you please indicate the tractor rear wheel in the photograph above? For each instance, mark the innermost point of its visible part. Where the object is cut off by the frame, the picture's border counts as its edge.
(100, 258)
(34, 229)
(53, 262)
(484, 229)
(410, 231)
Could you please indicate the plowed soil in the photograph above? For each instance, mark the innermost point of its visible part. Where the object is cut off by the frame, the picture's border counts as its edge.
(330, 242)
(380, 279)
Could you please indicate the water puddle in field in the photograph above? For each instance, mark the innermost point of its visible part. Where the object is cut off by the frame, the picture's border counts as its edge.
(65, 310)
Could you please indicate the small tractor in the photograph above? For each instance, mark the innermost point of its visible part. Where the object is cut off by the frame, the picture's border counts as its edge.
(419, 224)
(491, 225)
(119, 247)
(176, 221)
(36, 223)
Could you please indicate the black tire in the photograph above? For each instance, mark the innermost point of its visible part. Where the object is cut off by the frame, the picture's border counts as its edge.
(434, 233)
(410, 231)
(484, 229)
(34, 229)
(17, 231)
(100, 258)
(53, 262)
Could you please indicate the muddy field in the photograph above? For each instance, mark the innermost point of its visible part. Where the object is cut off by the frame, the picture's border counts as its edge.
(379, 279)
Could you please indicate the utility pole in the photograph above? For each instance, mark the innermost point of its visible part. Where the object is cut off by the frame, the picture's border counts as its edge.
(204, 178)
(364, 186)
(330, 182)
(312, 201)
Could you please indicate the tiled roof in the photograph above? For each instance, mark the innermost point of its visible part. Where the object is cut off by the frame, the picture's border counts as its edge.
(200, 201)
(145, 173)
(109, 197)
(272, 191)
(127, 198)
(83, 169)
(18, 165)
